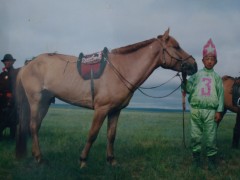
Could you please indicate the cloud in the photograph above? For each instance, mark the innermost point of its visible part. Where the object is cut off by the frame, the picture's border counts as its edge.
(29, 28)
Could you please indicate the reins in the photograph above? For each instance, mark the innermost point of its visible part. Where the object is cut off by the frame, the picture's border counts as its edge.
(153, 87)
(164, 96)
(125, 82)
(121, 77)
(183, 116)
(184, 80)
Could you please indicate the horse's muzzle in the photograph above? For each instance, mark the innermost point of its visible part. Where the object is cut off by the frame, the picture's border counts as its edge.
(189, 68)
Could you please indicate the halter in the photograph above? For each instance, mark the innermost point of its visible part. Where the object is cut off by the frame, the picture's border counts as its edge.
(164, 51)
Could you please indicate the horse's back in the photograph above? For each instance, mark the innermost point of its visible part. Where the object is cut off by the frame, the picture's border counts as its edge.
(49, 68)
(49, 62)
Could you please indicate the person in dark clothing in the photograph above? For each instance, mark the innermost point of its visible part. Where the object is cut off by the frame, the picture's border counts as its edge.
(7, 107)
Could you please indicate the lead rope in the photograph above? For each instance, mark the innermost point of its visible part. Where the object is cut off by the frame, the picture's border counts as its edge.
(183, 116)
(184, 80)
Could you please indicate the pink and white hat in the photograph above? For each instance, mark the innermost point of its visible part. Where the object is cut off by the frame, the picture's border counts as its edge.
(209, 49)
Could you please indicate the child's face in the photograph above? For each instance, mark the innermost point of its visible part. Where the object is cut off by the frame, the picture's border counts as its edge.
(209, 62)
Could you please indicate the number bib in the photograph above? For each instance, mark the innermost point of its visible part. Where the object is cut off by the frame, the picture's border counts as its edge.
(206, 87)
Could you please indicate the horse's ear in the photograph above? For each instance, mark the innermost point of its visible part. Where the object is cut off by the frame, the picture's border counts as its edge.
(166, 35)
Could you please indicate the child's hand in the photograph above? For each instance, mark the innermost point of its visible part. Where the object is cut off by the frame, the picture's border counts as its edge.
(218, 117)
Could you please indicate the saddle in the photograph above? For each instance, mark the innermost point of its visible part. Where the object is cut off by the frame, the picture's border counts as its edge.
(236, 92)
(92, 66)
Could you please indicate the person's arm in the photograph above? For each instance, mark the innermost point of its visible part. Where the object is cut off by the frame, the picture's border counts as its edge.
(218, 117)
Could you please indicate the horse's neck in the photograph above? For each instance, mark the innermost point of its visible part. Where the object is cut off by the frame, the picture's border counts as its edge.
(139, 65)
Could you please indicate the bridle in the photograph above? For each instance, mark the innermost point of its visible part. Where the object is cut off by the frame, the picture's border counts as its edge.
(164, 65)
(165, 51)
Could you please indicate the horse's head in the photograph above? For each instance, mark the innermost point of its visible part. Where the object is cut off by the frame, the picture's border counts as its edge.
(174, 57)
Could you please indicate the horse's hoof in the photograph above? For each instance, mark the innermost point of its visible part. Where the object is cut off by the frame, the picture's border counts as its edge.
(113, 163)
(38, 159)
(83, 162)
(83, 165)
(111, 160)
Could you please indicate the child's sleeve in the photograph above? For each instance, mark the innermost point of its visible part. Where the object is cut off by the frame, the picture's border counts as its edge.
(189, 84)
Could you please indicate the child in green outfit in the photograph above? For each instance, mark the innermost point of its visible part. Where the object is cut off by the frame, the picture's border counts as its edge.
(206, 98)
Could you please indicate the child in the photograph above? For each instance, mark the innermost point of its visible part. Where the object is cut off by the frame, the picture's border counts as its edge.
(206, 97)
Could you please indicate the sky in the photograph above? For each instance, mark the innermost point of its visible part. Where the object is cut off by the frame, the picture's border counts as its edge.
(32, 27)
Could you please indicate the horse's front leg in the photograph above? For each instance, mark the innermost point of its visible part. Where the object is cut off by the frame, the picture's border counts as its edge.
(111, 134)
(97, 122)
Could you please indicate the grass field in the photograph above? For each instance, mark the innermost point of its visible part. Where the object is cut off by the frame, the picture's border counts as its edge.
(148, 146)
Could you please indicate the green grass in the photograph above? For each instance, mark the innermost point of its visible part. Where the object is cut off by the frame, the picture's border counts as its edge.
(148, 146)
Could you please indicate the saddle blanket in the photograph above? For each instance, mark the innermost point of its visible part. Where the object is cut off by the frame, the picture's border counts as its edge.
(92, 66)
(236, 92)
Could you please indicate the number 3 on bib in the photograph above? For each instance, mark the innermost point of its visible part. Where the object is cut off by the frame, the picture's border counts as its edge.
(206, 88)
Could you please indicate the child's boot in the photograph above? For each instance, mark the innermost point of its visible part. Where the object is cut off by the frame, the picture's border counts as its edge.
(196, 160)
(212, 163)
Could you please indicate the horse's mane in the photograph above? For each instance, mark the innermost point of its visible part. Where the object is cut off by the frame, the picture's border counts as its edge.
(132, 47)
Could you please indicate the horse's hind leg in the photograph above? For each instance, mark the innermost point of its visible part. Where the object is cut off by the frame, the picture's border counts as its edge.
(97, 122)
(111, 134)
(38, 111)
(236, 132)
(34, 127)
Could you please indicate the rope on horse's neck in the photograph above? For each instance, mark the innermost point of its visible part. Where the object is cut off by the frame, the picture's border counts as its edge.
(159, 86)
(153, 87)
(125, 81)
(160, 96)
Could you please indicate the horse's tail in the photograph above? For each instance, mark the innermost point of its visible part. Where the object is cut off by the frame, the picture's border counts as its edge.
(23, 110)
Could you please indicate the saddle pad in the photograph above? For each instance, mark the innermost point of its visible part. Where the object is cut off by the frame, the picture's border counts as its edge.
(236, 92)
(92, 66)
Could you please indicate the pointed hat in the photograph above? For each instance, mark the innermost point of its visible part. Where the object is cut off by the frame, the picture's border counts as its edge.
(209, 49)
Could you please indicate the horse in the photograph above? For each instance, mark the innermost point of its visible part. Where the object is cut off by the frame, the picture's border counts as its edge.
(228, 82)
(56, 75)
(8, 113)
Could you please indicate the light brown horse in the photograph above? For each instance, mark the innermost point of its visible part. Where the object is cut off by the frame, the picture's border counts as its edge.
(228, 82)
(56, 75)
